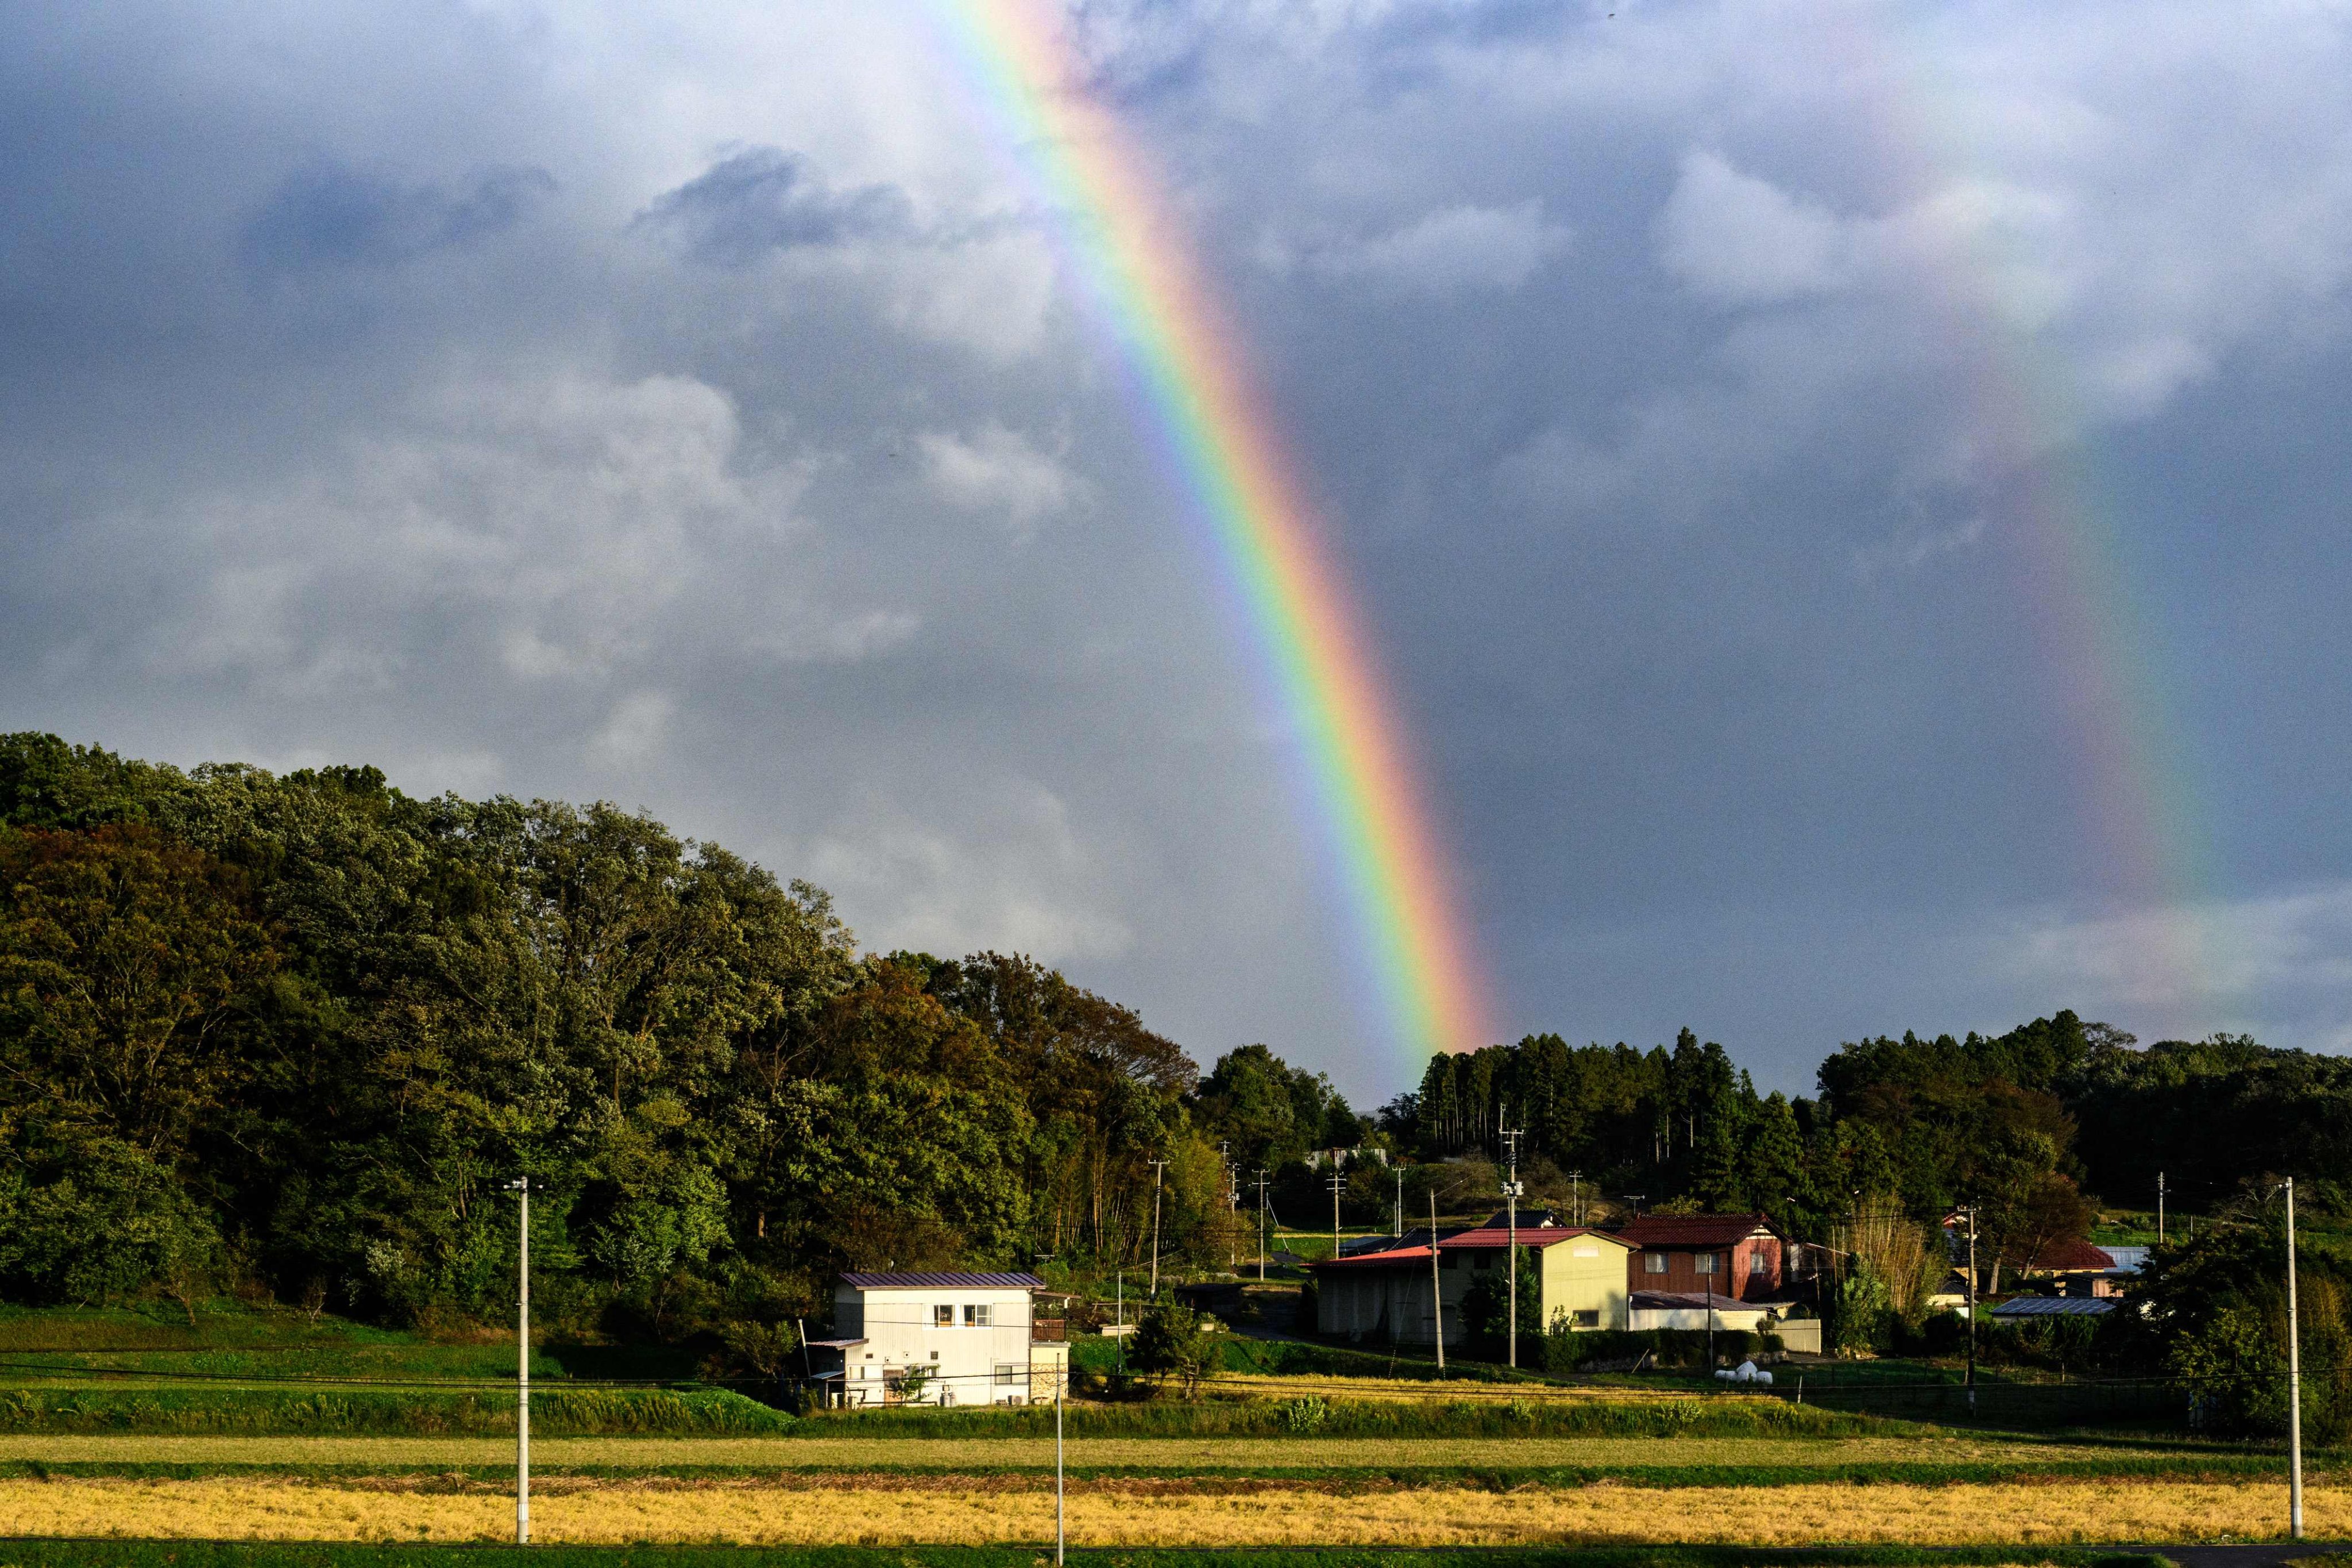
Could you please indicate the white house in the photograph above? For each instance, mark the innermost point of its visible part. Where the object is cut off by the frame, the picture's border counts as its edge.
(940, 1339)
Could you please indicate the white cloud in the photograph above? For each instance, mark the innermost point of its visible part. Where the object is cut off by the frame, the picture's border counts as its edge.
(634, 732)
(2229, 952)
(1010, 870)
(1911, 549)
(1454, 249)
(998, 470)
(1735, 237)
(565, 521)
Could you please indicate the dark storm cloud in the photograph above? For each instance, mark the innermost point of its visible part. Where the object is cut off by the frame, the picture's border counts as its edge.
(1646, 367)
(764, 200)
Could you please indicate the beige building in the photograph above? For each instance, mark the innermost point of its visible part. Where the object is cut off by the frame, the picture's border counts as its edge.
(1387, 1294)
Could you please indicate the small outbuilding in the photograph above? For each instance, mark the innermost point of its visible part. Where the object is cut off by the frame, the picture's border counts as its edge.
(1387, 1296)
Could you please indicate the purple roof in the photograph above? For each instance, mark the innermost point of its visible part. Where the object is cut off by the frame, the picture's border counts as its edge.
(944, 1282)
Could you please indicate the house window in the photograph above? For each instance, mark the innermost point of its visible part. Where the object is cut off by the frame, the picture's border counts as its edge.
(1758, 1263)
(1481, 1260)
(1705, 1262)
(977, 1317)
(1590, 1319)
(943, 1317)
(1449, 1261)
(1008, 1374)
(1654, 1263)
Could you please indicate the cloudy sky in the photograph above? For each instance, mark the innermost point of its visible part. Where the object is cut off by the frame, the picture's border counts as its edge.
(1851, 495)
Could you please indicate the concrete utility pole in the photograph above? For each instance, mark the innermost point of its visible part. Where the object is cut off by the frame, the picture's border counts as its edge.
(1060, 1526)
(2159, 1208)
(1400, 1202)
(1261, 1228)
(1971, 1212)
(2293, 1385)
(1436, 1285)
(521, 1186)
(1233, 1200)
(1338, 1184)
(1511, 1189)
(1575, 1195)
(1157, 1166)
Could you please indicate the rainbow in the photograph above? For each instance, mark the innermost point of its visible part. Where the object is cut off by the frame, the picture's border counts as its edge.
(1130, 257)
(2132, 774)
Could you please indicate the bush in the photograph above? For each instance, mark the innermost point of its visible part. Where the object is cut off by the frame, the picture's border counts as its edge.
(1862, 1316)
(1171, 1341)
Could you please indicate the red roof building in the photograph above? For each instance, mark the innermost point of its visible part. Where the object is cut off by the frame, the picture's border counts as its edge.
(1737, 1255)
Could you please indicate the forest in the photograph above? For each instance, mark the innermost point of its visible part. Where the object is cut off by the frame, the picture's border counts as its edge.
(291, 1036)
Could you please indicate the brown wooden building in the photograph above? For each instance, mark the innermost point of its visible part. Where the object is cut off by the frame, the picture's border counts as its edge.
(1736, 1255)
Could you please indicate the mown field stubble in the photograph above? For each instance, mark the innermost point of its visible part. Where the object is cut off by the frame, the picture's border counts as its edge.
(1227, 1513)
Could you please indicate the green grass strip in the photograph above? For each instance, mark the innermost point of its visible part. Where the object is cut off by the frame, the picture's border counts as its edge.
(1374, 1477)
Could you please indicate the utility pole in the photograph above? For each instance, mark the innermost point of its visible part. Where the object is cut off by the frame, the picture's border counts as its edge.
(2159, 1208)
(2293, 1385)
(1436, 1285)
(1233, 1200)
(1400, 1202)
(1511, 1136)
(1576, 1194)
(520, 1185)
(1060, 1530)
(1972, 1309)
(1157, 1166)
(1261, 1228)
(1338, 1184)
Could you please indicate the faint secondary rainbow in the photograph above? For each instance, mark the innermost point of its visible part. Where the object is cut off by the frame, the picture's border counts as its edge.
(2104, 679)
(1129, 253)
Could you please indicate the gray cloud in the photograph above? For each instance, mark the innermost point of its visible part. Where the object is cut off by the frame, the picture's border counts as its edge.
(337, 217)
(762, 200)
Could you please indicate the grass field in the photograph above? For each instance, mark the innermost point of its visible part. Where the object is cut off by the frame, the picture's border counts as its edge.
(1362, 1462)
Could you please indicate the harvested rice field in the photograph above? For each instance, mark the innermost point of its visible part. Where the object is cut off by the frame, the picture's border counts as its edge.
(899, 1510)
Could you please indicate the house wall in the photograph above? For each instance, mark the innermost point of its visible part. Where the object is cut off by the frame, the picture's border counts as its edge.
(967, 1365)
(1584, 1277)
(1735, 1273)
